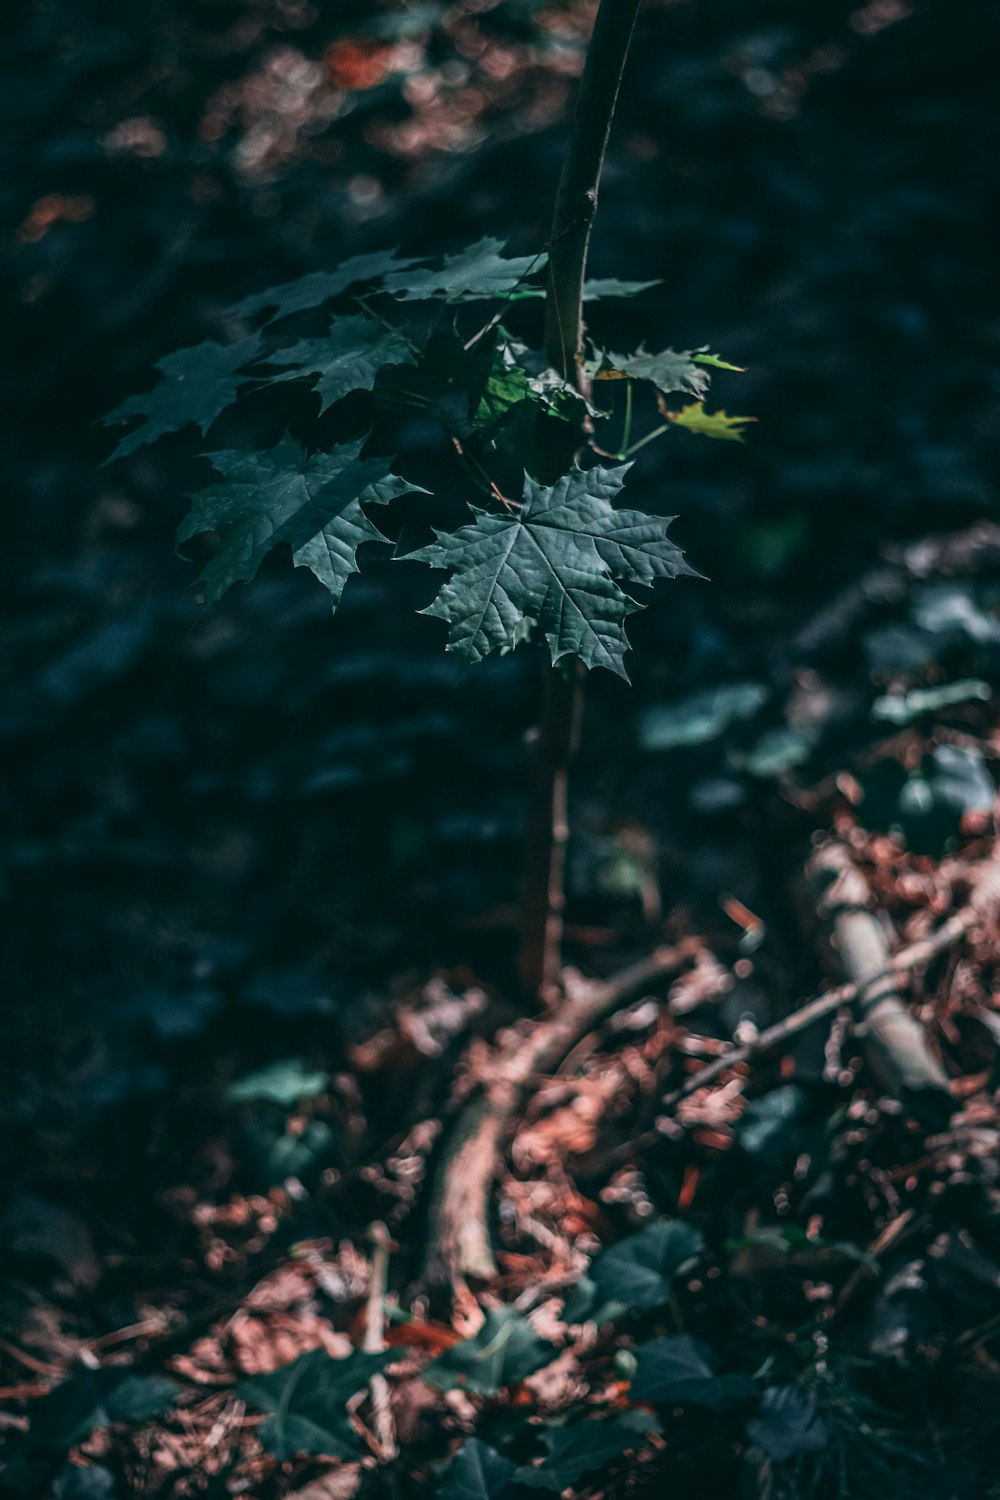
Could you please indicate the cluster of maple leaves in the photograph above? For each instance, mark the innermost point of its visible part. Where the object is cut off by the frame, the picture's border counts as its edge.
(562, 559)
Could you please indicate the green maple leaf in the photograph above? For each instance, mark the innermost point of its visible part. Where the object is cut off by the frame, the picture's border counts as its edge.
(470, 275)
(314, 503)
(198, 383)
(319, 286)
(308, 1401)
(668, 371)
(713, 424)
(556, 561)
(347, 359)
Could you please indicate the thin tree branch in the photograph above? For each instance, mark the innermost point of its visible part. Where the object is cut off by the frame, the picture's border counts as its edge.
(460, 1243)
(540, 956)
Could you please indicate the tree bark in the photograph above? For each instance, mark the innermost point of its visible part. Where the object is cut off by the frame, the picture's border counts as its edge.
(540, 958)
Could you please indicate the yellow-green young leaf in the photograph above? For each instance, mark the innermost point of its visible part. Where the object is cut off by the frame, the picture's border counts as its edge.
(312, 503)
(713, 424)
(702, 357)
(562, 559)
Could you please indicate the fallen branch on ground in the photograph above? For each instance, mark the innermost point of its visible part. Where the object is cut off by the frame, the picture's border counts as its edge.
(460, 1245)
(984, 898)
(895, 1044)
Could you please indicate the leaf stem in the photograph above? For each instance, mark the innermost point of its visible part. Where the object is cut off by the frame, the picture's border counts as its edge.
(657, 432)
(391, 327)
(627, 431)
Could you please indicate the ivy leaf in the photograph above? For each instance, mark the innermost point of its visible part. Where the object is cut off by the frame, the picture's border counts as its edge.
(639, 1271)
(713, 424)
(679, 1368)
(308, 1401)
(477, 1472)
(555, 561)
(610, 286)
(347, 359)
(505, 1350)
(583, 1447)
(319, 286)
(789, 1423)
(668, 371)
(311, 502)
(95, 1398)
(198, 383)
(479, 272)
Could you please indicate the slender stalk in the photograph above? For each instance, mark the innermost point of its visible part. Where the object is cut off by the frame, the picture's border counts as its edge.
(540, 957)
(627, 429)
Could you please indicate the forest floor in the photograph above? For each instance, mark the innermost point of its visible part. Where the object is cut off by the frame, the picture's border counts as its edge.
(260, 884)
(746, 1253)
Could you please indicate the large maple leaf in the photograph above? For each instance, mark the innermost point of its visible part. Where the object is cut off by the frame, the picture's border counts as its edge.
(347, 359)
(198, 383)
(311, 502)
(319, 286)
(470, 275)
(560, 561)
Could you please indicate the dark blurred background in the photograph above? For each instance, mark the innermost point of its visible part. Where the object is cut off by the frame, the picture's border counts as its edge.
(255, 821)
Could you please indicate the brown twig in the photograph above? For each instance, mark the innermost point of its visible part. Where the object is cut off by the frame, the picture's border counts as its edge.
(895, 1044)
(985, 898)
(460, 1246)
(374, 1339)
(540, 951)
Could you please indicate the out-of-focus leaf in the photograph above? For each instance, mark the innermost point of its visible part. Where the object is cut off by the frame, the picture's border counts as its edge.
(284, 1082)
(477, 1472)
(84, 1482)
(764, 1123)
(610, 286)
(787, 1424)
(637, 1273)
(929, 805)
(274, 1152)
(903, 708)
(308, 1400)
(585, 1447)
(95, 1398)
(681, 1369)
(700, 716)
(506, 1349)
(778, 750)
(712, 424)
